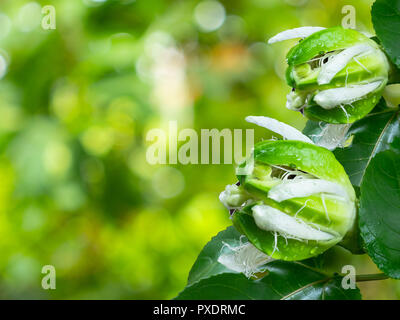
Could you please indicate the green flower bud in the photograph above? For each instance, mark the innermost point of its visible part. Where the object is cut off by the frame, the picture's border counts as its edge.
(337, 75)
(294, 202)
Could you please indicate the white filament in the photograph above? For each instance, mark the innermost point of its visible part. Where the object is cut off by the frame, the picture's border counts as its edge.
(245, 258)
(271, 219)
(286, 131)
(324, 205)
(275, 243)
(302, 32)
(331, 98)
(290, 173)
(339, 61)
(304, 188)
(345, 112)
(332, 136)
(361, 65)
(303, 206)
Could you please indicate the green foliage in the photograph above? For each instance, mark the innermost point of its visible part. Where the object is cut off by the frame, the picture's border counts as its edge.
(207, 264)
(377, 132)
(368, 149)
(304, 284)
(380, 212)
(386, 19)
(280, 280)
(76, 104)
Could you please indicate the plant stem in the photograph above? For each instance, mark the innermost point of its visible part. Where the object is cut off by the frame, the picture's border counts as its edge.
(371, 277)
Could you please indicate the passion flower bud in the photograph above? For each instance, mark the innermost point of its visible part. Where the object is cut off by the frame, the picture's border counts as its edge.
(337, 75)
(296, 202)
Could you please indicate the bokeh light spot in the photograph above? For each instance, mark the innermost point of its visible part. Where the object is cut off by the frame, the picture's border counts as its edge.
(209, 15)
(29, 17)
(5, 25)
(3, 66)
(98, 140)
(57, 158)
(168, 182)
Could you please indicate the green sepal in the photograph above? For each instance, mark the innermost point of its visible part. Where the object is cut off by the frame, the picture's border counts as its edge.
(321, 42)
(311, 159)
(288, 249)
(304, 156)
(356, 111)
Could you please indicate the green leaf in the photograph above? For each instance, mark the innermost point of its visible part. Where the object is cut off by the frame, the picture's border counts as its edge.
(377, 132)
(386, 21)
(207, 263)
(380, 212)
(285, 280)
(209, 279)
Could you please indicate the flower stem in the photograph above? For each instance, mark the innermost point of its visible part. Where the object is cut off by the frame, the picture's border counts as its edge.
(371, 277)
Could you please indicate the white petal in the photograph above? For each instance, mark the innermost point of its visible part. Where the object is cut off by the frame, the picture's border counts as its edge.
(339, 61)
(331, 98)
(244, 258)
(302, 32)
(278, 127)
(294, 101)
(232, 197)
(332, 136)
(271, 219)
(305, 188)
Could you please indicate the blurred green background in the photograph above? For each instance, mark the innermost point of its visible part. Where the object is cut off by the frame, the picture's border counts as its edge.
(76, 103)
